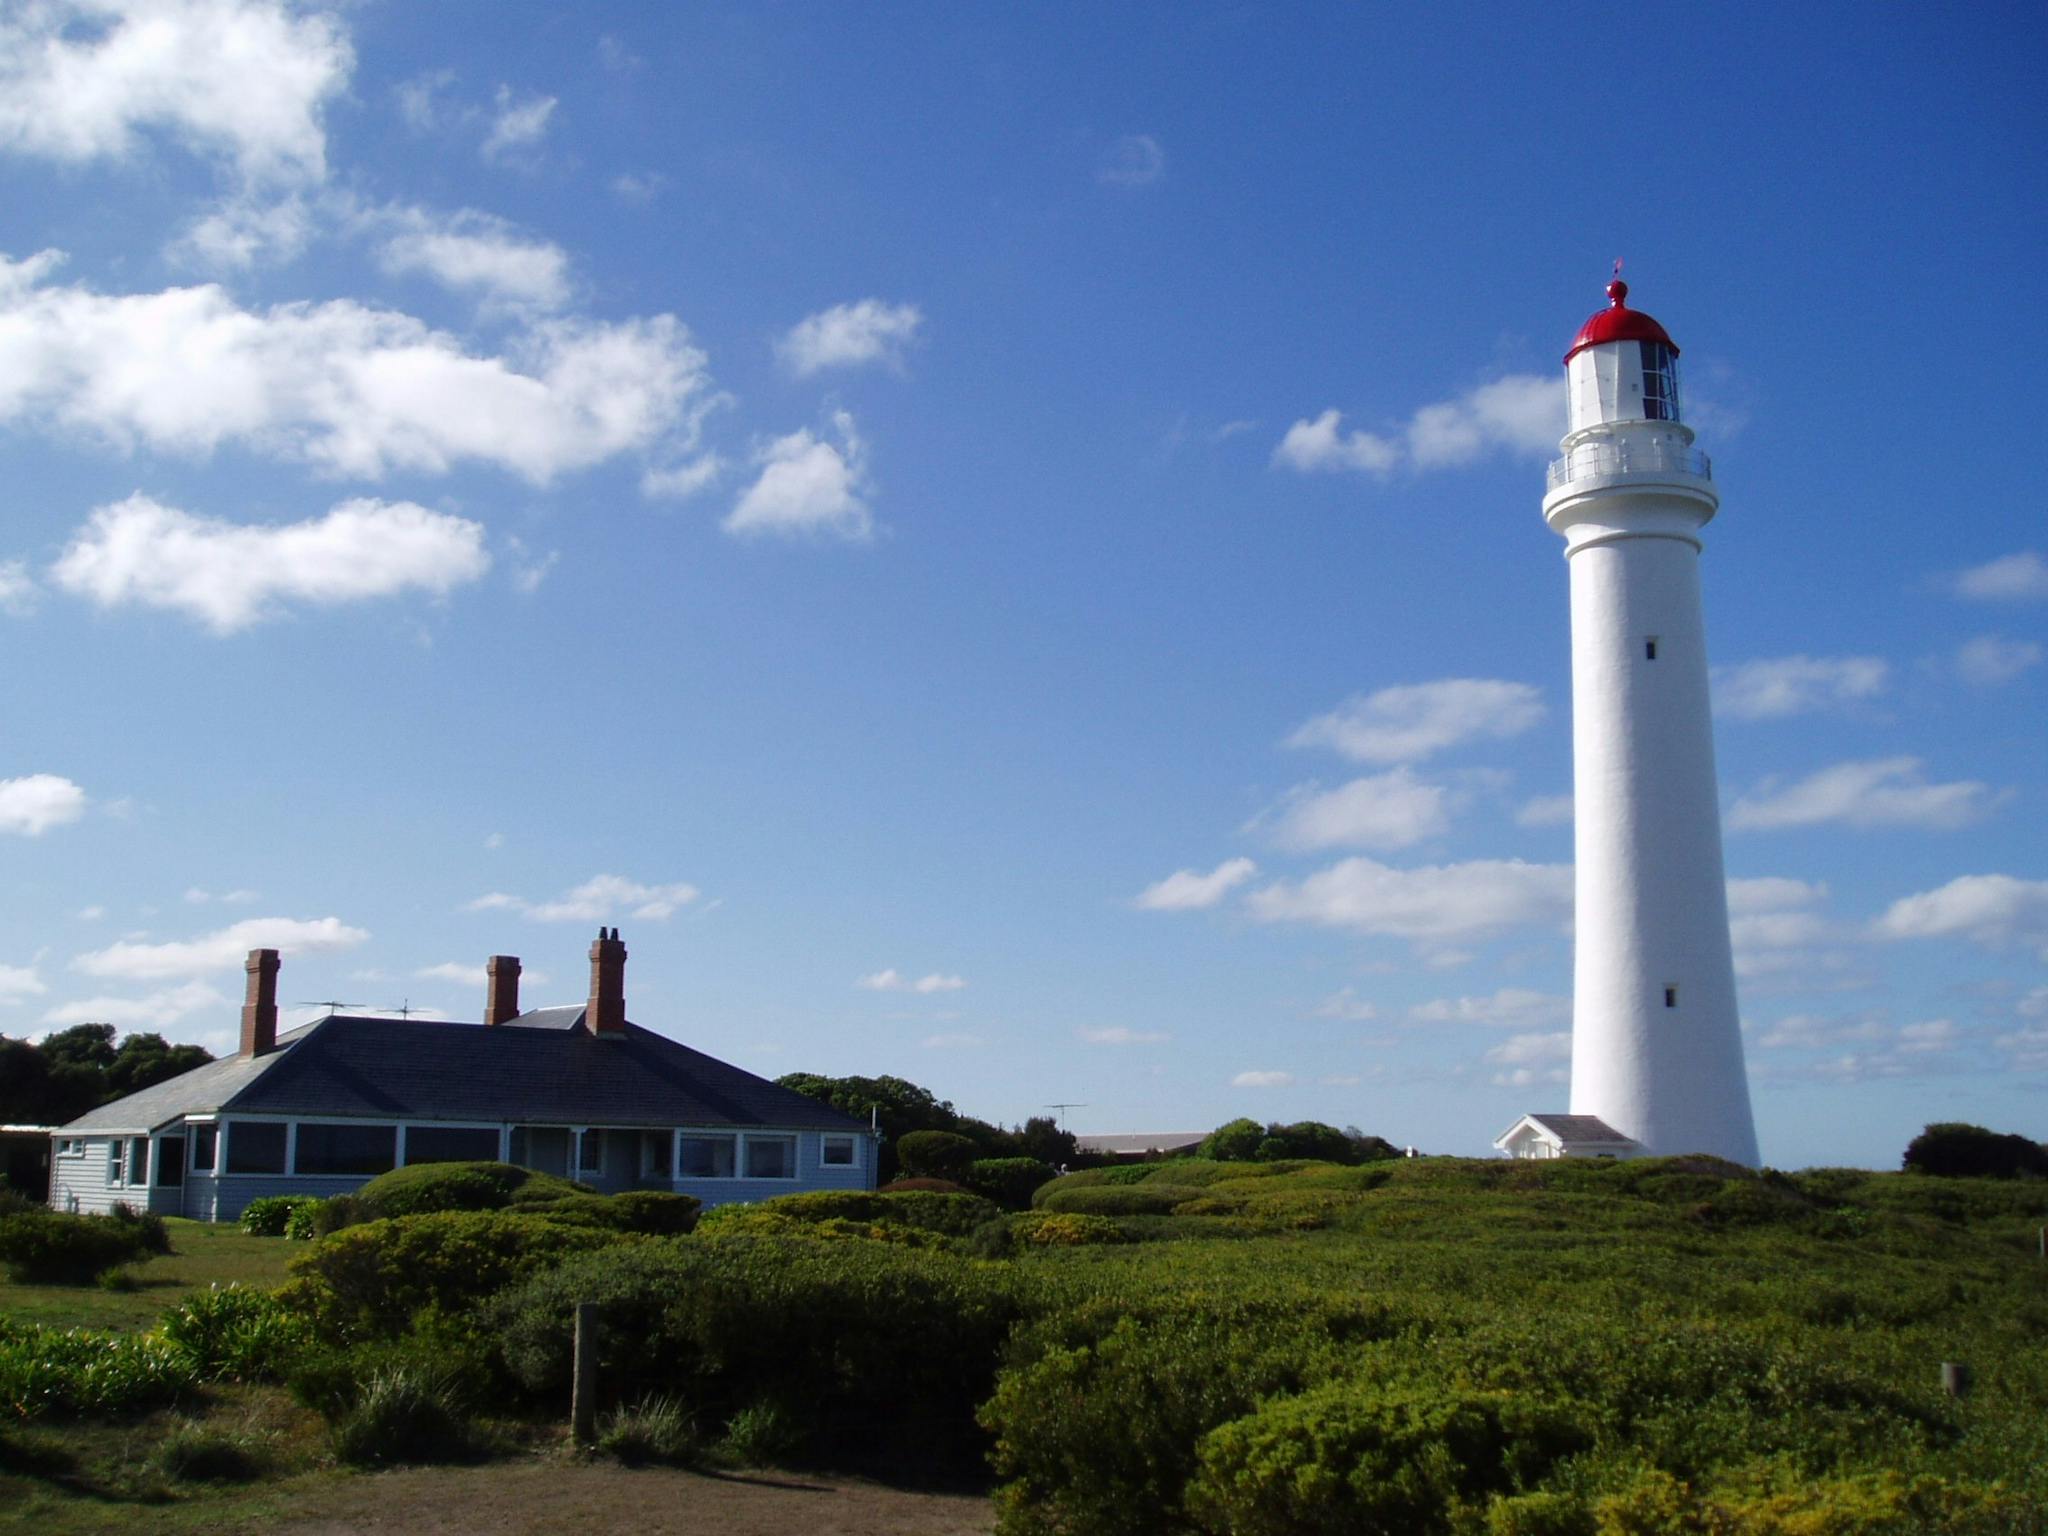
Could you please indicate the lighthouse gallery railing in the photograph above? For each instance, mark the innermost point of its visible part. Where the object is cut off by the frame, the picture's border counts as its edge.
(1593, 459)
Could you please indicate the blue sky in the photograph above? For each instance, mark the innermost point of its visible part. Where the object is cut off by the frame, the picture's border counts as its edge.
(1002, 545)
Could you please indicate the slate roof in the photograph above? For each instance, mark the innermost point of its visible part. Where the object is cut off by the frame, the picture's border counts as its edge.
(1584, 1130)
(540, 1068)
(1151, 1141)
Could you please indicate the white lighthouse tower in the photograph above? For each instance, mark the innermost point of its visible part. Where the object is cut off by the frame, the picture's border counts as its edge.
(1656, 1046)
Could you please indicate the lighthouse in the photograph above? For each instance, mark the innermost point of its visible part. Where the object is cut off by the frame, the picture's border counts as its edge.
(1656, 1043)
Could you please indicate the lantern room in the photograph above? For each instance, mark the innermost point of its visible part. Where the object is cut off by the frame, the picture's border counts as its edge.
(1621, 367)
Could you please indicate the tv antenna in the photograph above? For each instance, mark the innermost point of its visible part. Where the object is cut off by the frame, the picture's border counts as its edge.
(1063, 1108)
(331, 1004)
(405, 1010)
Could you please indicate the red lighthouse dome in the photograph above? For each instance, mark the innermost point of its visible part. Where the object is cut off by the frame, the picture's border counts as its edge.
(1617, 322)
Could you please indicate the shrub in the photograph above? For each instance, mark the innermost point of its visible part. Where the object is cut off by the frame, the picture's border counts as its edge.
(922, 1186)
(1359, 1457)
(271, 1215)
(1064, 1229)
(1148, 1199)
(370, 1281)
(951, 1214)
(1235, 1141)
(1955, 1150)
(48, 1248)
(70, 1371)
(935, 1154)
(192, 1453)
(146, 1228)
(656, 1428)
(654, 1212)
(765, 1434)
(403, 1415)
(1009, 1181)
(238, 1332)
(426, 1187)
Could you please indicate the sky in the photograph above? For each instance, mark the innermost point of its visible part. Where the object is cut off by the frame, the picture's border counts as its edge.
(1001, 545)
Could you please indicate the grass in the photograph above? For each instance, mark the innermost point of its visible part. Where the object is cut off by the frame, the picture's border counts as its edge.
(202, 1254)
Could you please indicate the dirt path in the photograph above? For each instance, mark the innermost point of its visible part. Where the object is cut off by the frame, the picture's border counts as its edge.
(552, 1498)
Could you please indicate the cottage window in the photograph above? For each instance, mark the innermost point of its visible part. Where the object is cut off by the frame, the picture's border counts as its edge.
(256, 1146)
(346, 1149)
(705, 1157)
(205, 1139)
(591, 1158)
(450, 1144)
(170, 1162)
(836, 1152)
(771, 1157)
(114, 1161)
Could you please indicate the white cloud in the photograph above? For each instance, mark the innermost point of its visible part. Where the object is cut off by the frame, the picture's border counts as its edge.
(529, 569)
(1988, 660)
(17, 589)
(598, 899)
(1509, 1008)
(1408, 723)
(1529, 1049)
(1432, 904)
(240, 79)
(1772, 893)
(91, 914)
(452, 971)
(1992, 910)
(155, 1011)
(219, 950)
(2015, 578)
(892, 980)
(808, 486)
(1263, 1080)
(1773, 688)
(19, 983)
(1814, 1032)
(1346, 1004)
(683, 480)
(199, 896)
(1884, 792)
(1135, 160)
(351, 389)
(1322, 444)
(638, 188)
(949, 1042)
(1186, 891)
(476, 253)
(1545, 811)
(1119, 1034)
(1380, 811)
(229, 576)
(1522, 413)
(36, 802)
(849, 335)
(244, 229)
(519, 126)
(419, 105)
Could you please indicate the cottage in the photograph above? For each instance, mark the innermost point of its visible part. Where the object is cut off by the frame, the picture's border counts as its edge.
(578, 1091)
(1565, 1136)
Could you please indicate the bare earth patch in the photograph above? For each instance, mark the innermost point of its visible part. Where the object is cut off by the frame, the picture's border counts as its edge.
(596, 1498)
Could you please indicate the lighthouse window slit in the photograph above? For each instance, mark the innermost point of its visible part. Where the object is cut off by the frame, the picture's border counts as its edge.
(1671, 997)
(1650, 648)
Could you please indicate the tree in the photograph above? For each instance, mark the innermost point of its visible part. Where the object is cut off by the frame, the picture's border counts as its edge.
(1958, 1151)
(899, 1107)
(1236, 1141)
(146, 1060)
(935, 1155)
(78, 1069)
(1042, 1138)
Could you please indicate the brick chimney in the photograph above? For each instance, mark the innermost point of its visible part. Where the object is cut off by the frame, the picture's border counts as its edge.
(606, 1014)
(501, 989)
(259, 1008)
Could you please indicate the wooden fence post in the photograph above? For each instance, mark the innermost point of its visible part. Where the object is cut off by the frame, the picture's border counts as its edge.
(1955, 1378)
(583, 1396)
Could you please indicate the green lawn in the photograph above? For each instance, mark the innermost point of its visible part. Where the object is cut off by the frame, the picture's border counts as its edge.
(202, 1254)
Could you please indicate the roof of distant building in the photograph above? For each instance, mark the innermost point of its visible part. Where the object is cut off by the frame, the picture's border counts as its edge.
(1580, 1130)
(1617, 322)
(1142, 1141)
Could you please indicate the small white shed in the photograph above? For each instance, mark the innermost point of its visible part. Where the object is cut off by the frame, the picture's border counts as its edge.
(1542, 1136)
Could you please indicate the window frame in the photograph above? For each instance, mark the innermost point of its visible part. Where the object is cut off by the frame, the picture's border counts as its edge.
(226, 1164)
(299, 1142)
(830, 1140)
(731, 1141)
(776, 1138)
(209, 1132)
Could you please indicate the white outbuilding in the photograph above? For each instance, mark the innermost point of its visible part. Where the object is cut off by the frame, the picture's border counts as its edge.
(1545, 1136)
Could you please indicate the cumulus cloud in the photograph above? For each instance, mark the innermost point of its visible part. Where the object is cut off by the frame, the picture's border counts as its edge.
(1885, 792)
(349, 388)
(154, 1010)
(1522, 413)
(1380, 811)
(17, 589)
(219, 950)
(229, 576)
(244, 81)
(36, 802)
(808, 486)
(679, 482)
(1988, 660)
(1135, 160)
(1346, 1004)
(477, 254)
(947, 1042)
(244, 229)
(892, 980)
(19, 983)
(1991, 910)
(2016, 578)
(1434, 904)
(199, 896)
(1509, 1008)
(518, 126)
(849, 335)
(1186, 890)
(1545, 811)
(1263, 1080)
(1795, 685)
(1532, 1050)
(1417, 720)
(601, 898)
(1813, 1032)
(1118, 1034)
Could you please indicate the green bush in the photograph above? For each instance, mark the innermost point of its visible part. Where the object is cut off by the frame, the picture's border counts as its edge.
(953, 1215)
(237, 1332)
(923, 1186)
(49, 1248)
(1146, 1199)
(1063, 1229)
(146, 1228)
(1009, 1181)
(935, 1154)
(192, 1453)
(59, 1372)
(271, 1215)
(426, 1187)
(1391, 1460)
(1955, 1150)
(655, 1429)
(372, 1280)
(404, 1415)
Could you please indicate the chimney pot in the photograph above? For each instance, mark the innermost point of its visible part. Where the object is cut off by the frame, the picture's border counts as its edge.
(259, 1006)
(501, 989)
(606, 1012)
